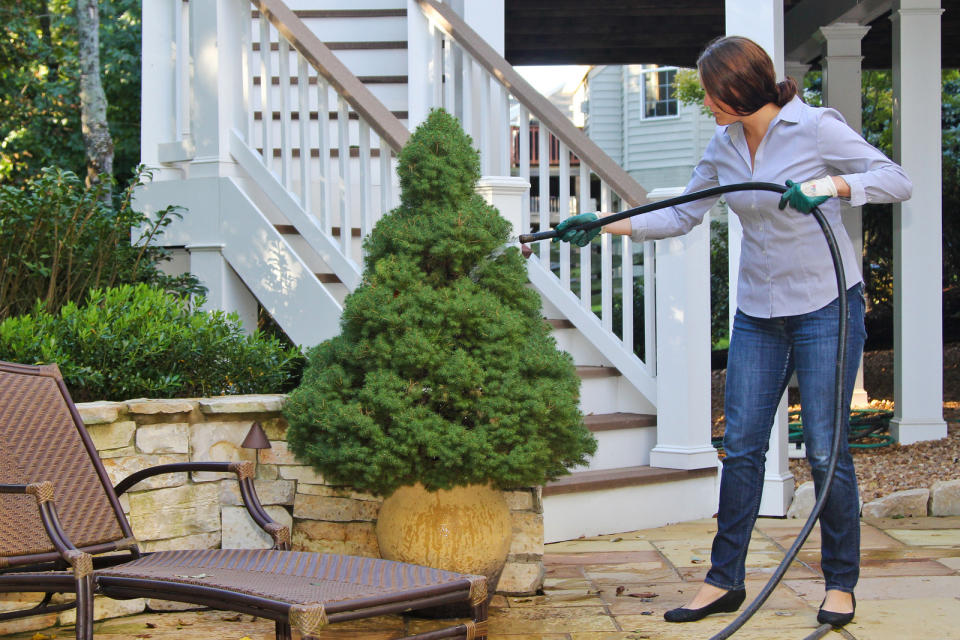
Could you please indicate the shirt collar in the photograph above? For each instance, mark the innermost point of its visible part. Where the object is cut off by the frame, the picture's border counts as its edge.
(789, 112)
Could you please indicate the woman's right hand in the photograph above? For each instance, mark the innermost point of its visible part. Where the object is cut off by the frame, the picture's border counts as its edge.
(567, 230)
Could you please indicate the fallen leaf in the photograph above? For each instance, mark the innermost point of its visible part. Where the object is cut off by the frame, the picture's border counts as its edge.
(620, 590)
(150, 625)
(645, 594)
(41, 636)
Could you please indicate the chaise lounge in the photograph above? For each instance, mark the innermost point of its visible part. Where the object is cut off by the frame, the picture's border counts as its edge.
(62, 530)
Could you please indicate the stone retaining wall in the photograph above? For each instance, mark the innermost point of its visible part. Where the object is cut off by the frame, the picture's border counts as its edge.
(205, 510)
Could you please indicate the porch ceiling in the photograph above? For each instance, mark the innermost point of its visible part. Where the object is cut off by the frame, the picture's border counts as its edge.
(674, 31)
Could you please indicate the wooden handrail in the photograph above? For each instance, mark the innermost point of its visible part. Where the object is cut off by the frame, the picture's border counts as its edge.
(380, 119)
(443, 16)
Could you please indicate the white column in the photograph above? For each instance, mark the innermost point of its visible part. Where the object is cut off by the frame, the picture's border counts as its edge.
(225, 290)
(683, 348)
(917, 282)
(762, 22)
(217, 100)
(842, 91)
(507, 195)
(158, 106)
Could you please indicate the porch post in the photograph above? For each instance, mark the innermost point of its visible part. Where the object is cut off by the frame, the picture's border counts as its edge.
(158, 105)
(917, 259)
(762, 22)
(683, 348)
(842, 91)
(218, 31)
(225, 290)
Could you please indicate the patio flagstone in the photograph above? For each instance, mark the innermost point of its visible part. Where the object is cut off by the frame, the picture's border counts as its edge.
(603, 589)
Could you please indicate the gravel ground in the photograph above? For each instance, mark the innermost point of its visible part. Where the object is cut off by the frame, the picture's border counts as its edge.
(883, 470)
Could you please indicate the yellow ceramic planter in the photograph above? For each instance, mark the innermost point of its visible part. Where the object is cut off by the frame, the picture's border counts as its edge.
(464, 529)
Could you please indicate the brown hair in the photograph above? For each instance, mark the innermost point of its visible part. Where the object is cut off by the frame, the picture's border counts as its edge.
(738, 72)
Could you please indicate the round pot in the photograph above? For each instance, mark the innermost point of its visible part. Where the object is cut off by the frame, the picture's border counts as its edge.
(464, 529)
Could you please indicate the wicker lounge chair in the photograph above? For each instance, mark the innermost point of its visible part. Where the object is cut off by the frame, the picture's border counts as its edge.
(62, 530)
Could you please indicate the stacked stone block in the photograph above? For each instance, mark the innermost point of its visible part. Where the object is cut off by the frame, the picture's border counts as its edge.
(204, 510)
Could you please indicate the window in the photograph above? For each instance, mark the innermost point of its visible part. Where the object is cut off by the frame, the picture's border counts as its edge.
(659, 97)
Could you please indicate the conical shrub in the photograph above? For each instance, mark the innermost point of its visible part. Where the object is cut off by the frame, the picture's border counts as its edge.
(444, 372)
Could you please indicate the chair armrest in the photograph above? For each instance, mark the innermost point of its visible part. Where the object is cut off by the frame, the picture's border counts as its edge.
(238, 468)
(243, 470)
(81, 562)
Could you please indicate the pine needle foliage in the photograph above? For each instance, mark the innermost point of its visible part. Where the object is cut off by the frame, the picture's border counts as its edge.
(444, 372)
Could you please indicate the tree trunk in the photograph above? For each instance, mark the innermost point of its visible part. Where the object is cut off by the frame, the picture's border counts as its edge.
(93, 101)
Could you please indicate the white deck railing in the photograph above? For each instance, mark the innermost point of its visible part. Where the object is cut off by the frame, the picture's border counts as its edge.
(473, 81)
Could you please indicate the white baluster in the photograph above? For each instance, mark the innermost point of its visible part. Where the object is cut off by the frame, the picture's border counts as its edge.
(449, 76)
(284, 72)
(484, 115)
(366, 184)
(386, 180)
(266, 104)
(467, 88)
(505, 132)
(564, 206)
(343, 147)
(325, 197)
(523, 146)
(586, 263)
(303, 119)
(650, 306)
(436, 68)
(543, 150)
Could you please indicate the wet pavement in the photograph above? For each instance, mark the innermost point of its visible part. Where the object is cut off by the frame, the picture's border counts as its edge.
(617, 587)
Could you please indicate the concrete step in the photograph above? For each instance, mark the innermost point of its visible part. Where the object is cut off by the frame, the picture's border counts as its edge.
(588, 503)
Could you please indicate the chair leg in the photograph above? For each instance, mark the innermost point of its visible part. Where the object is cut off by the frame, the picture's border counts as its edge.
(480, 613)
(84, 626)
(283, 631)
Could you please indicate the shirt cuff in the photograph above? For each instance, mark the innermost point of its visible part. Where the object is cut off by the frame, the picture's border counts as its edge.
(858, 196)
(638, 229)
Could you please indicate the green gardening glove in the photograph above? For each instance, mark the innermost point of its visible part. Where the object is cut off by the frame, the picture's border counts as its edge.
(795, 197)
(567, 230)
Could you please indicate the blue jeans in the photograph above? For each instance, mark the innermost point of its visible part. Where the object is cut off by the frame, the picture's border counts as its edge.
(764, 352)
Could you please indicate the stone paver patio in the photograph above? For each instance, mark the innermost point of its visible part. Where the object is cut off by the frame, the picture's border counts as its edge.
(617, 587)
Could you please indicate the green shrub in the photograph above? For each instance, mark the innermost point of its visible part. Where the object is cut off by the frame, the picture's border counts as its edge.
(444, 372)
(139, 341)
(60, 239)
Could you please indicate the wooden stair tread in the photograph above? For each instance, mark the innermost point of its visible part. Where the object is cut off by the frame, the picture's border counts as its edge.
(344, 13)
(560, 323)
(290, 230)
(615, 421)
(624, 477)
(350, 45)
(596, 372)
(294, 80)
(295, 115)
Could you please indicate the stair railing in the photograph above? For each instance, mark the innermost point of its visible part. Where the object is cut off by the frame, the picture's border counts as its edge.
(307, 103)
(476, 83)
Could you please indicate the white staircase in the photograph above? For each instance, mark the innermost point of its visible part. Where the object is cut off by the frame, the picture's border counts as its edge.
(286, 160)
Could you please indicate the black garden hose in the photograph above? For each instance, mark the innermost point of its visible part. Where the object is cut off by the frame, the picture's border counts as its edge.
(838, 409)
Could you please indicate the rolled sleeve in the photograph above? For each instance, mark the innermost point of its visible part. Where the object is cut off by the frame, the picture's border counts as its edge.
(872, 176)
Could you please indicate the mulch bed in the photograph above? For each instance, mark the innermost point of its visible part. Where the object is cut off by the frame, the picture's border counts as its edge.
(884, 470)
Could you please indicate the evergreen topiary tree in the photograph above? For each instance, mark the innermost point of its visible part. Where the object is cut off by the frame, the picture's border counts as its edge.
(444, 372)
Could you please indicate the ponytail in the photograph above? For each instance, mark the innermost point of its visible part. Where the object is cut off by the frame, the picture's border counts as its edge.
(786, 89)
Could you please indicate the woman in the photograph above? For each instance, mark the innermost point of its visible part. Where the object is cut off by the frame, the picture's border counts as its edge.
(786, 317)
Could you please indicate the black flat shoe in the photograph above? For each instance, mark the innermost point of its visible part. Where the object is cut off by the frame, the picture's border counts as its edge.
(730, 601)
(834, 618)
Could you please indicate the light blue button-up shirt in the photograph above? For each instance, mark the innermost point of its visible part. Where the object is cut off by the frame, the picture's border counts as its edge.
(785, 264)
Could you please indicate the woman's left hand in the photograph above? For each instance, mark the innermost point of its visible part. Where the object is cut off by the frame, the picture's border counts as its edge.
(804, 197)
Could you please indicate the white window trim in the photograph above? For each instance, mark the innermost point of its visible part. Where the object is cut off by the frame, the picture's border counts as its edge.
(643, 95)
